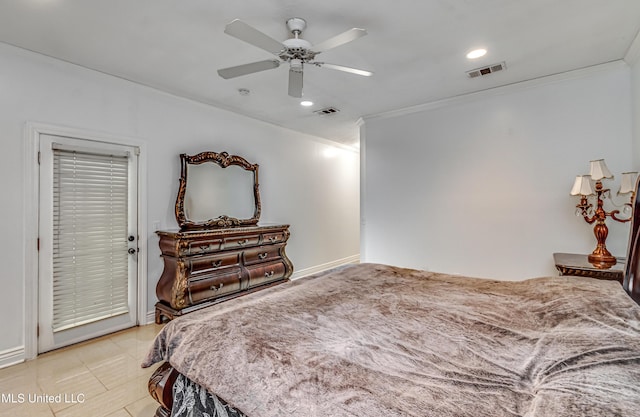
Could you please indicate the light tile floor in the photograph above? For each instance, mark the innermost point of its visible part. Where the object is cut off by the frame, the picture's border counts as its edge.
(98, 378)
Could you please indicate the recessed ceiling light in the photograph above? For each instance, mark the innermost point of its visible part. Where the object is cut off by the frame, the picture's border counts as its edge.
(476, 53)
(306, 103)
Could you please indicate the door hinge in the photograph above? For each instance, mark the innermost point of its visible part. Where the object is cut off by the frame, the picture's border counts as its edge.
(39, 153)
(38, 330)
(38, 243)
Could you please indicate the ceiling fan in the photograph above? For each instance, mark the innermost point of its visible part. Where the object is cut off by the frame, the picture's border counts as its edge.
(296, 51)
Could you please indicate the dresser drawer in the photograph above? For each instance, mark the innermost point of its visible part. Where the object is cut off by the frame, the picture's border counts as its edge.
(276, 237)
(198, 247)
(261, 274)
(261, 254)
(213, 286)
(208, 264)
(236, 242)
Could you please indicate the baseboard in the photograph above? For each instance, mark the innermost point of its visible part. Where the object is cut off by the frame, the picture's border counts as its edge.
(326, 266)
(12, 356)
(151, 317)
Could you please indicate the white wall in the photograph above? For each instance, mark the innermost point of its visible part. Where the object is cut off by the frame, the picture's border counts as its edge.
(479, 185)
(302, 184)
(635, 102)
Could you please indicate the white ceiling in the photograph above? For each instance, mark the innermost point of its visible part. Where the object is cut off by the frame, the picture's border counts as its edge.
(416, 48)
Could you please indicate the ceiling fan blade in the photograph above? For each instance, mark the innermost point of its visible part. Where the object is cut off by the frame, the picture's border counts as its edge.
(244, 32)
(295, 83)
(346, 69)
(341, 39)
(245, 69)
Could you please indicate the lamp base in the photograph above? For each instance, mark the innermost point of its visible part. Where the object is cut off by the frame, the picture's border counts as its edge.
(602, 260)
(601, 257)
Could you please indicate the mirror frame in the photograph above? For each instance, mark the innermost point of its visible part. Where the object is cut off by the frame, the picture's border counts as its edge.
(223, 160)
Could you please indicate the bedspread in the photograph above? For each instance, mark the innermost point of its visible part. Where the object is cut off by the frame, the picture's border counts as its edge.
(380, 341)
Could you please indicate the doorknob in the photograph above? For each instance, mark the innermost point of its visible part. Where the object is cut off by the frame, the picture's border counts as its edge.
(131, 251)
(131, 238)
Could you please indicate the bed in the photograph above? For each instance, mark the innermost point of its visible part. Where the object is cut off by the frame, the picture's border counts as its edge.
(377, 340)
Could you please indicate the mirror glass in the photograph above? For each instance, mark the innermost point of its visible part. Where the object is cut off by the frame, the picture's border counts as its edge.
(217, 190)
(213, 191)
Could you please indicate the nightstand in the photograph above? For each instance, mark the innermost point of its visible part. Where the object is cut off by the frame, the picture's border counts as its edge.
(576, 264)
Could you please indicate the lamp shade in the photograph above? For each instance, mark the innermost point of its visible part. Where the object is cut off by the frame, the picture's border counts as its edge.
(599, 170)
(628, 182)
(582, 185)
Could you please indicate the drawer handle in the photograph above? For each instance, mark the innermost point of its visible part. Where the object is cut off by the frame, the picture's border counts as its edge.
(272, 239)
(268, 274)
(217, 263)
(263, 255)
(243, 242)
(218, 288)
(204, 247)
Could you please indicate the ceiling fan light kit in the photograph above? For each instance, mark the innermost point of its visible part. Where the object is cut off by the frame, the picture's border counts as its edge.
(296, 51)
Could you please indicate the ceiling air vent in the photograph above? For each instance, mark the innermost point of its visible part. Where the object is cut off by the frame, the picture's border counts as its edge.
(486, 70)
(326, 111)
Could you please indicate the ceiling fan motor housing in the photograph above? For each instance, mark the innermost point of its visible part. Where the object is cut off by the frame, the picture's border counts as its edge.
(297, 48)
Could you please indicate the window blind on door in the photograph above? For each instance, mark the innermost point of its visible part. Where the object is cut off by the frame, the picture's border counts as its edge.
(90, 260)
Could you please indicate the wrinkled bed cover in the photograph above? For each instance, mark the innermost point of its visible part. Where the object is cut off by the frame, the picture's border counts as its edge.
(375, 340)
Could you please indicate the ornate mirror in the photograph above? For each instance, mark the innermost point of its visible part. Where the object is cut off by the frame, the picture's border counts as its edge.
(217, 190)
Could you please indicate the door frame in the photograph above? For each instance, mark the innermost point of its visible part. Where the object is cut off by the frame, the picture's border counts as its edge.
(32, 133)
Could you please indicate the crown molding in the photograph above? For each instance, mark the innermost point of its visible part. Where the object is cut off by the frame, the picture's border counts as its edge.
(500, 90)
(633, 53)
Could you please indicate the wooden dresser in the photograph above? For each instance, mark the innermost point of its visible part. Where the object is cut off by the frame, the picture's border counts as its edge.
(204, 267)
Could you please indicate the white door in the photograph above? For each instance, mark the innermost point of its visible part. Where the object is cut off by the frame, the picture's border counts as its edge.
(88, 236)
